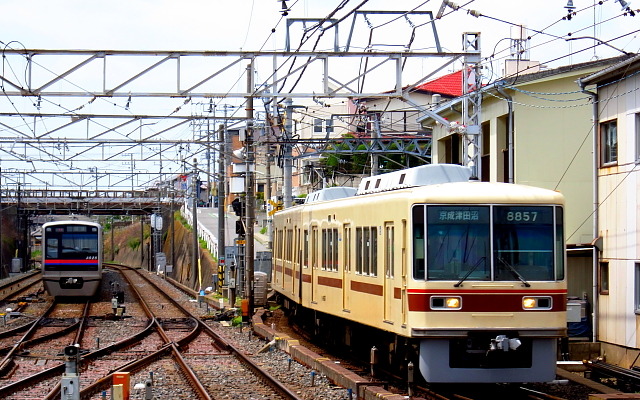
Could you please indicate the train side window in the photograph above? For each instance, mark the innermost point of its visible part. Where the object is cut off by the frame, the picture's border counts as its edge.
(373, 269)
(275, 243)
(366, 250)
(305, 250)
(346, 248)
(334, 250)
(388, 246)
(325, 246)
(418, 243)
(290, 245)
(314, 247)
(359, 254)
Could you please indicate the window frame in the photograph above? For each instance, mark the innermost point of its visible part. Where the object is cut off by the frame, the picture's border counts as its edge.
(603, 277)
(608, 151)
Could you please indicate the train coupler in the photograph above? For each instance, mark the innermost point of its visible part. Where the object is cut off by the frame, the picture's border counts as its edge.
(504, 343)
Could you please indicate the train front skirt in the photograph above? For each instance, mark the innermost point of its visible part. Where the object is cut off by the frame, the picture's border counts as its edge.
(447, 360)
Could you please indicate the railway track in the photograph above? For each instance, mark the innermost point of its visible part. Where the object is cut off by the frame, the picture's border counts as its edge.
(162, 335)
(18, 285)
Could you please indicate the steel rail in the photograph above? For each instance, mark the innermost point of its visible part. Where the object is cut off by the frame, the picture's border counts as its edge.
(105, 381)
(192, 379)
(7, 361)
(266, 377)
(8, 285)
(59, 368)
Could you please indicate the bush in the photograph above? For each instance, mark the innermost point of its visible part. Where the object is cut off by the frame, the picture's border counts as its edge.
(134, 243)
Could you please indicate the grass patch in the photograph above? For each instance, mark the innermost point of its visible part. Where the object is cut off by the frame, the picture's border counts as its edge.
(134, 243)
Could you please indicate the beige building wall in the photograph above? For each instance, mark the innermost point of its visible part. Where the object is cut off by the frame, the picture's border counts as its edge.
(552, 144)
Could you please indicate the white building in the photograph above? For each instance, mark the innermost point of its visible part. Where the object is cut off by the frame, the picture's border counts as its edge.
(617, 123)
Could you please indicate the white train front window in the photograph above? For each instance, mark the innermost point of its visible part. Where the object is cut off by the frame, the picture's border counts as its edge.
(524, 243)
(458, 242)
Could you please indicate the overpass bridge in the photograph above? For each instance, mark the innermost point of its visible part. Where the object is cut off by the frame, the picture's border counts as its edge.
(87, 202)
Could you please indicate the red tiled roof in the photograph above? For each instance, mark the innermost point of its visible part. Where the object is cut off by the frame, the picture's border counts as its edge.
(448, 85)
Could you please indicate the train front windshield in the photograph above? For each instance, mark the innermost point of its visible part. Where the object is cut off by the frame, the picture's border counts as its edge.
(71, 242)
(488, 243)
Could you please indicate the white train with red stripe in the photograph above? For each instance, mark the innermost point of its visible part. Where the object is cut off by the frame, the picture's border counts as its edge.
(71, 258)
(464, 278)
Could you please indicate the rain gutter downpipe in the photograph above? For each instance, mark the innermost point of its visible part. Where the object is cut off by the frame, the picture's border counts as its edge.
(500, 89)
(594, 102)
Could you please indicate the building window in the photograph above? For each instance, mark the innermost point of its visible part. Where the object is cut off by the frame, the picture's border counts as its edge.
(328, 125)
(317, 125)
(609, 143)
(603, 284)
(636, 290)
(322, 125)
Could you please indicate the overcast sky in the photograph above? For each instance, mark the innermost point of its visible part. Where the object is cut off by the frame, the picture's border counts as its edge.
(249, 25)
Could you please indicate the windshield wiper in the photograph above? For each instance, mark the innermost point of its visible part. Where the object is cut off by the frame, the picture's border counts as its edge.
(475, 266)
(514, 271)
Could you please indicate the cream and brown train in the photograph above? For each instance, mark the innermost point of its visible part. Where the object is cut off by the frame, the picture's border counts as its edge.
(464, 278)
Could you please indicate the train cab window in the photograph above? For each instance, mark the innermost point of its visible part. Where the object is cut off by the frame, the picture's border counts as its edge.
(524, 241)
(560, 247)
(458, 243)
(418, 243)
(51, 248)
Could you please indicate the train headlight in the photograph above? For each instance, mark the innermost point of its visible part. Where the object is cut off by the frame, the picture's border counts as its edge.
(536, 303)
(446, 302)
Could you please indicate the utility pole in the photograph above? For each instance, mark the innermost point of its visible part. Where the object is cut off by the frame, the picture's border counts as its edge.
(222, 177)
(376, 134)
(267, 197)
(287, 192)
(472, 99)
(195, 259)
(250, 189)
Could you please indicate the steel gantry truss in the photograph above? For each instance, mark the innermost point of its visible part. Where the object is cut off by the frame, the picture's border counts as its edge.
(49, 132)
(190, 73)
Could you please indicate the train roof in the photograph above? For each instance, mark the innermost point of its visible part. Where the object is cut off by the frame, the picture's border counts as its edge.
(423, 175)
(332, 193)
(71, 222)
(439, 183)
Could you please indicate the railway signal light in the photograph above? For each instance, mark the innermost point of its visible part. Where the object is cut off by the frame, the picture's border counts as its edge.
(238, 207)
(240, 228)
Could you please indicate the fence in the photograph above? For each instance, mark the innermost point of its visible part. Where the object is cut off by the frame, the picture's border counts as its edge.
(203, 233)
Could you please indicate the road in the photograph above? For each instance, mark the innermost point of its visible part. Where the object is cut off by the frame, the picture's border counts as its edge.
(208, 217)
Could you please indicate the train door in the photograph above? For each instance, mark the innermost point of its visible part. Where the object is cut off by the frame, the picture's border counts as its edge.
(296, 262)
(346, 265)
(314, 261)
(305, 261)
(403, 283)
(388, 250)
